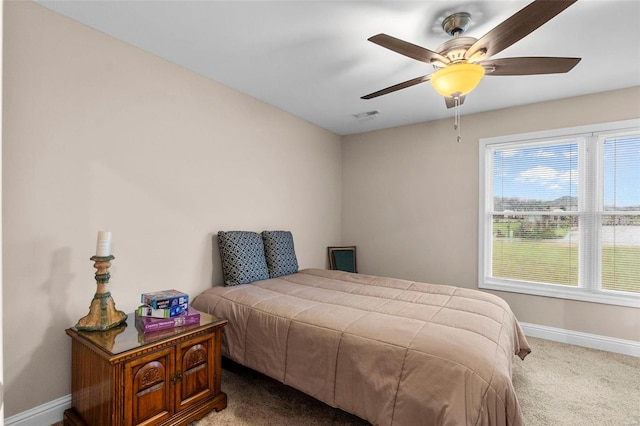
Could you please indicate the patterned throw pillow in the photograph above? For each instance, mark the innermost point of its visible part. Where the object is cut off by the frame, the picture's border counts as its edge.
(242, 256)
(280, 253)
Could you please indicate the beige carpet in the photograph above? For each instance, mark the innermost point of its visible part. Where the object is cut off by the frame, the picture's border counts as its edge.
(557, 384)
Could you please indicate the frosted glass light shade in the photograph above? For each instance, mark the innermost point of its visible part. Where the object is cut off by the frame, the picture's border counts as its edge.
(457, 79)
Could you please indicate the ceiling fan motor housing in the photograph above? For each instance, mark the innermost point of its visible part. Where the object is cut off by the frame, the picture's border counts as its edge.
(457, 23)
(454, 50)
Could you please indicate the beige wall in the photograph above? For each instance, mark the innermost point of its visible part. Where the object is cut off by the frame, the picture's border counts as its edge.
(410, 203)
(100, 135)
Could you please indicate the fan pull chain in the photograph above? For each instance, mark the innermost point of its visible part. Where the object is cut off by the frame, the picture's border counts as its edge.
(457, 121)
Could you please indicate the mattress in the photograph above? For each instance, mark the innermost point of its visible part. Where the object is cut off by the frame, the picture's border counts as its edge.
(390, 351)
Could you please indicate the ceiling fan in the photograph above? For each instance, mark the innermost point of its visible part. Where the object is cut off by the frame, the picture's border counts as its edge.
(462, 62)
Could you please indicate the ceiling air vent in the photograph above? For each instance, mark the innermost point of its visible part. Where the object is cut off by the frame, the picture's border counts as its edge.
(369, 115)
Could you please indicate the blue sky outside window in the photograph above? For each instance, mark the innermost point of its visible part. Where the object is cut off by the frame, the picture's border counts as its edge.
(524, 178)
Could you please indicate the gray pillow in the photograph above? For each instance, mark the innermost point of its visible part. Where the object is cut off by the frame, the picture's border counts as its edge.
(242, 256)
(280, 253)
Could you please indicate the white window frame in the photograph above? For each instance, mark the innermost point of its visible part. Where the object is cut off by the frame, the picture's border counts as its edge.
(589, 211)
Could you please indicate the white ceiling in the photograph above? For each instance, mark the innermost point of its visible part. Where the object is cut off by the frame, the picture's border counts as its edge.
(312, 58)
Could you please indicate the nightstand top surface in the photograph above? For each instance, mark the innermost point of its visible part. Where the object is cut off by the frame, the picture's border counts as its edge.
(127, 337)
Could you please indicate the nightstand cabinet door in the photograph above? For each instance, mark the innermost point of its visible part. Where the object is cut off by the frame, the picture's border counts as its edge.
(148, 381)
(196, 369)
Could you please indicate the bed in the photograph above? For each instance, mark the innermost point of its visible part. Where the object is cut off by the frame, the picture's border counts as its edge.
(390, 351)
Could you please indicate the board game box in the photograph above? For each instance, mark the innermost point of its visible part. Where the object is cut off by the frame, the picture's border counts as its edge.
(147, 324)
(164, 299)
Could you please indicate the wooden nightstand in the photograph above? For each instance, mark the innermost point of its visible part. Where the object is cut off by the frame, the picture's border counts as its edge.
(124, 377)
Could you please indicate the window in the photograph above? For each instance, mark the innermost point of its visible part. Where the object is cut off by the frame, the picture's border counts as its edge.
(560, 213)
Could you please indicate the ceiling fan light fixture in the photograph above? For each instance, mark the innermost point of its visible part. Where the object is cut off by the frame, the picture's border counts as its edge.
(457, 79)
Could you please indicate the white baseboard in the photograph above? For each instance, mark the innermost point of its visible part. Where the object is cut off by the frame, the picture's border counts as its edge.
(51, 412)
(42, 415)
(593, 341)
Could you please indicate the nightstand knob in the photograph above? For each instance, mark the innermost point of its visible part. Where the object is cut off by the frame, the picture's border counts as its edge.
(176, 377)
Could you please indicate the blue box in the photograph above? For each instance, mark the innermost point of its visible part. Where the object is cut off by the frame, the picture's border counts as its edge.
(165, 299)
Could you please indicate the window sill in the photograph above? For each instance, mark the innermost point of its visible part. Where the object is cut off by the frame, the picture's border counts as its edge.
(562, 292)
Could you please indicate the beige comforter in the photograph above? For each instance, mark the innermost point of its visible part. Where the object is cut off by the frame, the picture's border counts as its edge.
(390, 351)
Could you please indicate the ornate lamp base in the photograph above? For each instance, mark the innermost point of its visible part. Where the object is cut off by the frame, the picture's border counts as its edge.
(103, 314)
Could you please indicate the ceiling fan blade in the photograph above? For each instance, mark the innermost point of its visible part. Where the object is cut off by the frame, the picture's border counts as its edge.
(451, 101)
(528, 65)
(398, 86)
(407, 49)
(518, 26)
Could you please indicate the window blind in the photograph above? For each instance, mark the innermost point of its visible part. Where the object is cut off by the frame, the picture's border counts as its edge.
(620, 227)
(536, 213)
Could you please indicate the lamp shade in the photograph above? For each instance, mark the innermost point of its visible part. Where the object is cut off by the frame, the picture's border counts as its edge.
(457, 79)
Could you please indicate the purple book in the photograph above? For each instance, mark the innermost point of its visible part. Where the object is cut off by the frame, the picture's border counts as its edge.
(147, 324)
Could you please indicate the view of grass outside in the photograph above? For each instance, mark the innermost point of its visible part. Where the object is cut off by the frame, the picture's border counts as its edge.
(533, 248)
(537, 261)
(621, 268)
(545, 250)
